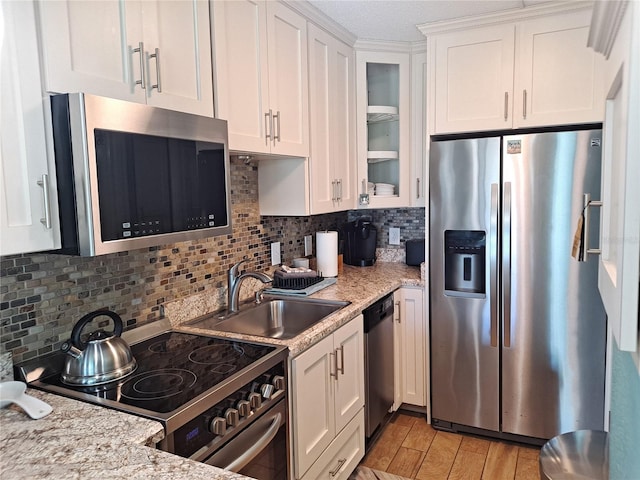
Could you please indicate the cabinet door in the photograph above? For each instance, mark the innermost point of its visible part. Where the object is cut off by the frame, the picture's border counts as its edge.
(412, 346)
(343, 455)
(288, 80)
(241, 72)
(349, 384)
(321, 101)
(181, 66)
(474, 79)
(558, 79)
(88, 47)
(383, 126)
(313, 418)
(619, 261)
(332, 107)
(419, 138)
(343, 132)
(23, 147)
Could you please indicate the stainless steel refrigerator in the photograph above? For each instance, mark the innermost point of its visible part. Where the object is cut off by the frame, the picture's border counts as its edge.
(518, 329)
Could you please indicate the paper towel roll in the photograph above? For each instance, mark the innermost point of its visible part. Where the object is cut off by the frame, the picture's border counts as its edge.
(327, 253)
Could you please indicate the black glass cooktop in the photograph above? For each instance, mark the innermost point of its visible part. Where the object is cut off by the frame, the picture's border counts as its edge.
(174, 368)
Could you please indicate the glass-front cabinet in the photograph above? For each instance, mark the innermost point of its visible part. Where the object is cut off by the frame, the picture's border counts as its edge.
(383, 112)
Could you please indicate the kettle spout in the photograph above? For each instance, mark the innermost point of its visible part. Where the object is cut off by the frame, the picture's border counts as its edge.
(68, 348)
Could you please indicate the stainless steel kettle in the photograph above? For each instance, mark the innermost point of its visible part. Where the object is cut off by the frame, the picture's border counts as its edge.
(101, 359)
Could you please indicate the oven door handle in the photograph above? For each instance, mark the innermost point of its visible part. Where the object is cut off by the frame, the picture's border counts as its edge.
(247, 456)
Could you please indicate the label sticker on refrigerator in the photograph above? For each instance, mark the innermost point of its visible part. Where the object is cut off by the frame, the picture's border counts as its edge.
(514, 146)
(595, 142)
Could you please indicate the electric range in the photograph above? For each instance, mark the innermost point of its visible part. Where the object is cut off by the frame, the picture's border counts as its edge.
(204, 390)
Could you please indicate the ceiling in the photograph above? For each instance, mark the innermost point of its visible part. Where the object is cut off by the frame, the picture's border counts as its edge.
(396, 20)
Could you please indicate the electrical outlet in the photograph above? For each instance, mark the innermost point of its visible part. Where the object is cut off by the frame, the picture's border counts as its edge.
(308, 247)
(275, 253)
(394, 236)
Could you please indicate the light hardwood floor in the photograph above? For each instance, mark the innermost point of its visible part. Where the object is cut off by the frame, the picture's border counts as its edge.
(410, 448)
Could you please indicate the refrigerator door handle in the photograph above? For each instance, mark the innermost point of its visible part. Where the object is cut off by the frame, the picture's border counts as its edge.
(506, 265)
(493, 267)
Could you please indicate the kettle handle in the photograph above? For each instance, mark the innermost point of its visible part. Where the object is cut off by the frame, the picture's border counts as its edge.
(78, 327)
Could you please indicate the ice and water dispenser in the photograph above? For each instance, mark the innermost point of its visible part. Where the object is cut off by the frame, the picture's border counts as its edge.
(464, 263)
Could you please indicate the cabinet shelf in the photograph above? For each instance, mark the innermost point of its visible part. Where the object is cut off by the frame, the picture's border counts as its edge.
(375, 156)
(381, 113)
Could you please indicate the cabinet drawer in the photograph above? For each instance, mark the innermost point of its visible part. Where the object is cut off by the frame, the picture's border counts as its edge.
(342, 456)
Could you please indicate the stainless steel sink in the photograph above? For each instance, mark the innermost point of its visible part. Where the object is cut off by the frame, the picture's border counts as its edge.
(273, 318)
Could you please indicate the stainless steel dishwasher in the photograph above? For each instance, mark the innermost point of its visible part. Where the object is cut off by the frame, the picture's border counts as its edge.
(378, 362)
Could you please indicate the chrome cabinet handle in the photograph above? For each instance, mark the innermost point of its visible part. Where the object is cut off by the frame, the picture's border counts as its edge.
(158, 85)
(44, 183)
(140, 50)
(335, 471)
(333, 355)
(493, 260)
(341, 368)
(588, 203)
(339, 184)
(506, 265)
(277, 118)
(506, 105)
(396, 310)
(417, 188)
(333, 191)
(267, 130)
(524, 104)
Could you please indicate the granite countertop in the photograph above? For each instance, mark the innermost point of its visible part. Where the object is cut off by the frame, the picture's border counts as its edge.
(78, 440)
(361, 286)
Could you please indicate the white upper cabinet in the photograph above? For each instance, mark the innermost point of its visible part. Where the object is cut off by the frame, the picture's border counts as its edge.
(536, 71)
(332, 116)
(153, 52)
(383, 127)
(558, 80)
(261, 76)
(28, 214)
(619, 261)
(474, 79)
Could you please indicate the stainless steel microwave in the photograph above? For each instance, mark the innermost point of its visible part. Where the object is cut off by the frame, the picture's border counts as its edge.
(132, 176)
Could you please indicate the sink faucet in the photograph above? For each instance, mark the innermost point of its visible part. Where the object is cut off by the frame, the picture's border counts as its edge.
(234, 280)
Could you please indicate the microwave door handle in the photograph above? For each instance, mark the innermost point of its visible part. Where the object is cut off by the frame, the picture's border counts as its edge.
(248, 455)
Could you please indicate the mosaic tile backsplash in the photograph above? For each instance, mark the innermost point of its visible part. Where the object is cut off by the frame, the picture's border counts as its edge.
(43, 295)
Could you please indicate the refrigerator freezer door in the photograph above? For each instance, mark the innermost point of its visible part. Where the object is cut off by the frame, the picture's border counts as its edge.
(464, 184)
(555, 329)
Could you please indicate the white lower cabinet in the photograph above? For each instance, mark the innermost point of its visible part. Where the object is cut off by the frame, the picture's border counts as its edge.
(341, 458)
(327, 394)
(411, 347)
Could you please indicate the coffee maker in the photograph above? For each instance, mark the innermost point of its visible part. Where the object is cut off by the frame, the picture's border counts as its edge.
(359, 240)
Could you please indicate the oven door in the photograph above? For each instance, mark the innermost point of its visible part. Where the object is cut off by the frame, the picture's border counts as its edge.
(260, 450)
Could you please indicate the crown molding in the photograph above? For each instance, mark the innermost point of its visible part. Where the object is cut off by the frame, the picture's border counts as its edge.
(383, 46)
(314, 15)
(605, 23)
(513, 15)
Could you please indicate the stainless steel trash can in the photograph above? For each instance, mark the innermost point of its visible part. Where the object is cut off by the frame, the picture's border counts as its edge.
(583, 455)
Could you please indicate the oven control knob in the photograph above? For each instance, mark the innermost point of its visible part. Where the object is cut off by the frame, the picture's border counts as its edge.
(244, 408)
(232, 417)
(278, 382)
(255, 400)
(267, 390)
(218, 426)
